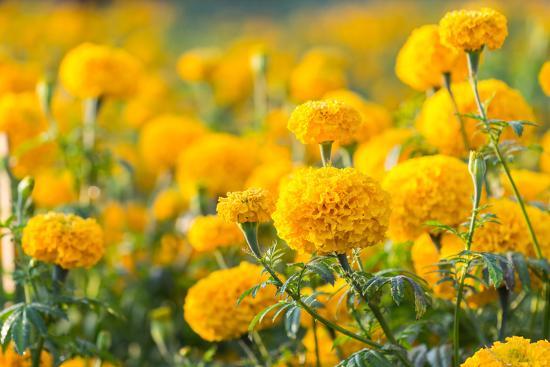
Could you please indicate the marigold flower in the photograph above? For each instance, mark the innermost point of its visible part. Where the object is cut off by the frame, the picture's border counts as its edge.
(53, 188)
(423, 60)
(545, 155)
(210, 232)
(427, 188)
(84, 362)
(544, 78)
(16, 78)
(317, 122)
(165, 137)
(217, 162)
(211, 307)
(170, 248)
(374, 117)
(533, 186)
(10, 358)
(330, 210)
(438, 122)
(334, 304)
(23, 122)
(63, 239)
(93, 71)
(511, 232)
(328, 354)
(269, 175)
(373, 157)
(252, 205)
(198, 64)
(321, 70)
(516, 351)
(168, 204)
(471, 30)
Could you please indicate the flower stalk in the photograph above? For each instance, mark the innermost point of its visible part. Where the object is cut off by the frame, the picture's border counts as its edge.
(326, 153)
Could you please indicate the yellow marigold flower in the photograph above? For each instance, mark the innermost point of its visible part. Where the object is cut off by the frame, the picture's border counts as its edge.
(533, 186)
(334, 301)
(16, 78)
(198, 64)
(471, 30)
(23, 122)
(374, 157)
(427, 188)
(439, 125)
(92, 71)
(330, 210)
(10, 358)
(317, 122)
(210, 232)
(217, 162)
(511, 233)
(423, 60)
(171, 247)
(544, 78)
(84, 362)
(168, 204)
(63, 239)
(545, 155)
(136, 216)
(53, 188)
(374, 117)
(320, 71)
(211, 307)
(516, 351)
(165, 137)
(252, 205)
(269, 175)
(328, 354)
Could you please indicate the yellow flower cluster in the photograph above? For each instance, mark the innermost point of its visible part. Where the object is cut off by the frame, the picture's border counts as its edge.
(269, 175)
(168, 204)
(373, 158)
(328, 353)
(197, 65)
(511, 232)
(317, 122)
(10, 358)
(165, 137)
(544, 78)
(23, 122)
(334, 303)
(252, 205)
(329, 210)
(471, 30)
(15, 77)
(439, 125)
(210, 232)
(321, 70)
(84, 362)
(427, 188)
(374, 117)
(226, 161)
(63, 239)
(533, 186)
(93, 71)
(516, 351)
(545, 155)
(53, 188)
(423, 60)
(211, 307)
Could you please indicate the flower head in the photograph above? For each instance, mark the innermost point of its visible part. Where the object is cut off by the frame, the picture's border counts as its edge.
(330, 210)
(84, 362)
(423, 60)
(438, 122)
(165, 137)
(516, 351)
(427, 188)
(93, 71)
(270, 175)
(211, 307)
(198, 64)
(210, 232)
(545, 155)
(374, 117)
(168, 204)
(64, 239)
(53, 188)
(471, 30)
(533, 186)
(544, 78)
(10, 358)
(252, 205)
(317, 122)
(217, 162)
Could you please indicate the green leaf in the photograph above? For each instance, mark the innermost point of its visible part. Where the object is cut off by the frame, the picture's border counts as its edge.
(496, 274)
(397, 289)
(5, 334)
(37, 321)
(420, 300)
(292, 322)
(260, 316)
(323, 270)
(21, 332)
(366, 358)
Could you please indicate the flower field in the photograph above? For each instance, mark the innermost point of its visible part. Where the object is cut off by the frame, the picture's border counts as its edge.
(280, 184)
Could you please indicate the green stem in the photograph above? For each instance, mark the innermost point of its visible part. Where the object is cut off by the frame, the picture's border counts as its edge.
(326, 153)
(315, 337)
(261, 347)
(447, 84)
(504, 297)
(220, 260)
(250, 351)
(37, 353)
(456, 334)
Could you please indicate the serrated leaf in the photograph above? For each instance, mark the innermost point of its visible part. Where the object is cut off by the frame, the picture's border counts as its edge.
(292, 322)
(397, 289)
(323, 270)
(494, 270)
(420, 300)
(7, 325)
(21, 332)
(521, 267)
(260, 316)
(37, 321)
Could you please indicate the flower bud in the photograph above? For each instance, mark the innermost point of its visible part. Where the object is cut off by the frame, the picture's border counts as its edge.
(477, 168)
